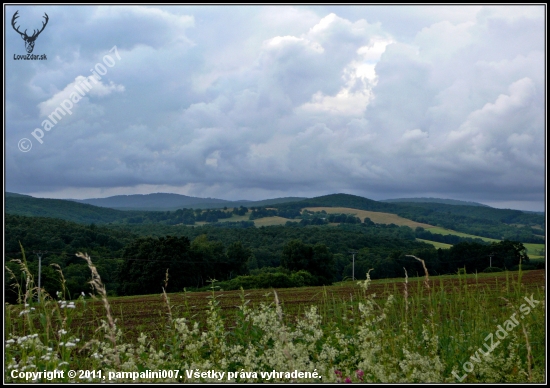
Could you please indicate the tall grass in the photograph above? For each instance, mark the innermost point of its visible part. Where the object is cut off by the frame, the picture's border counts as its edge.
(420, 331)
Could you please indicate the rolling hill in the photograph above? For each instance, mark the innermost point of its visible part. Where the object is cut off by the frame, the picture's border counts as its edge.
(480, 221)
(167, 201)
(434, 200)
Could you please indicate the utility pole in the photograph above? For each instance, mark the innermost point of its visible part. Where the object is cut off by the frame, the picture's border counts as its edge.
(491, 260)
(353, 265)
(39, 254)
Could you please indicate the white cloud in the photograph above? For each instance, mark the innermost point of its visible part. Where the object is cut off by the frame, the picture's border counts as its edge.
(78, 90)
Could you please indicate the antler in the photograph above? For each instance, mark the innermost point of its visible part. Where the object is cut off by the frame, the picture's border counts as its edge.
(35, 34)
(24, 34)
(15, 16)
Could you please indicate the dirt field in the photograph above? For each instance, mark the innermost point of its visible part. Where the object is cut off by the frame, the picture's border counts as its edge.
(149, 313)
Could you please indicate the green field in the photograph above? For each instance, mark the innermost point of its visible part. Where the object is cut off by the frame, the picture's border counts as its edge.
(533, 250)
(436, 244)
(439, 230)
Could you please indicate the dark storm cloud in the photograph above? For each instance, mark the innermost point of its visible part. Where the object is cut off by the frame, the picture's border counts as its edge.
(250, 102)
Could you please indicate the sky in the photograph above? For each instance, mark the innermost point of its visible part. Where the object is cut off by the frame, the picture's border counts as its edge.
(256, 102)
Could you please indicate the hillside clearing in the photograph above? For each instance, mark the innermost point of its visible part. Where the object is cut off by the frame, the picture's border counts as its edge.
(269, 221)
(436, 244)
(443, 231)
(376, 217)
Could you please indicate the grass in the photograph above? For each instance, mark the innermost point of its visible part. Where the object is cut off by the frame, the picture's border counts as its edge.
(392, 330)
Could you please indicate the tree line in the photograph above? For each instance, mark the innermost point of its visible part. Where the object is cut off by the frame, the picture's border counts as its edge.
(134, 258)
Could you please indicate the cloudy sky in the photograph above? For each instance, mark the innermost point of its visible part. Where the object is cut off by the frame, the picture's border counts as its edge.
(269, 101)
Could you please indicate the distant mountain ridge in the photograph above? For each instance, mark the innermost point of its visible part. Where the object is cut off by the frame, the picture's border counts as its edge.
(434, 200)
(482, 221)
(160, 201)
(15, 195)
(170, 201)
(155, 201)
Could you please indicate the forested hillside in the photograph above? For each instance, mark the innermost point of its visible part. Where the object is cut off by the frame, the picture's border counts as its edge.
(477, 220)
(434, 200)
(489, 222)
(133, 259)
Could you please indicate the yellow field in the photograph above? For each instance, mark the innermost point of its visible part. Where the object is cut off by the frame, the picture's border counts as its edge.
(376, 217)
(268, 221)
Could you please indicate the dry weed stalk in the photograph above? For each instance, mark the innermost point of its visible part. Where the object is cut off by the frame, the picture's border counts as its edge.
(278, 307)
(406, 292)
(58, 269)
(63, 282)
(165, 296)
(529, 355)
(427, 279)
(28, 281)
(97, 284)
(527, 343)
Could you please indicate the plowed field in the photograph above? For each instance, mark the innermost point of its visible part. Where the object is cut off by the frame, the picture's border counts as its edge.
(149, 313)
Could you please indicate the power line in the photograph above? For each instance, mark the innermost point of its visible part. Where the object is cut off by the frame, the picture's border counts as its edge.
(353, 266)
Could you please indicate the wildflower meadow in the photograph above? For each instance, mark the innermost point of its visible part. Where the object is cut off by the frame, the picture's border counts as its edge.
(462, 328)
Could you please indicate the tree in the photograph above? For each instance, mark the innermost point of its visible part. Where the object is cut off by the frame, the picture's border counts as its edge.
(322, 264)
(508, 254)
(296, 256)
(238, 257)
(317, 260)
(146, 261)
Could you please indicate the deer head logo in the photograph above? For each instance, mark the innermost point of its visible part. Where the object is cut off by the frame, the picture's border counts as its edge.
(29, 40)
